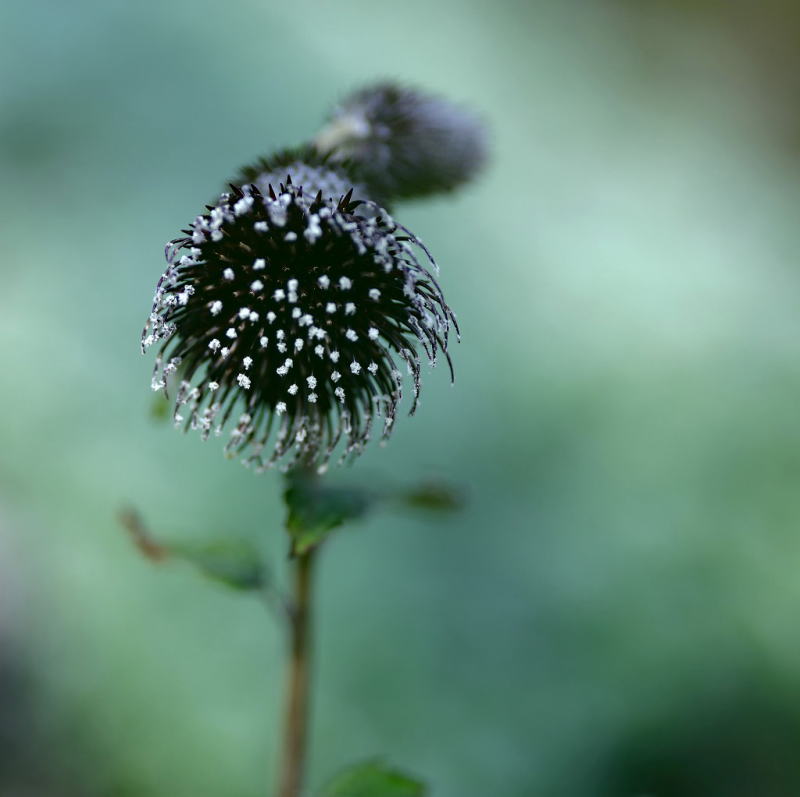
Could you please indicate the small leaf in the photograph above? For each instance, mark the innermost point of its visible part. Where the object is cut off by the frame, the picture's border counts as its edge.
(160, 408)
(315, 510)
(232, 562)
(235, 563)
(142, 539)
(433, 496)
(373, 779)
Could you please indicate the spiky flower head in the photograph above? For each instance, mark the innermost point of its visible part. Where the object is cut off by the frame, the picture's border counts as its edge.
(285, 318)
(404, 143)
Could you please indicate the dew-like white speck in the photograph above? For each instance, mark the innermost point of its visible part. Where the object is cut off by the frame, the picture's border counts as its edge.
(214, 344)
(324, 282)
(279, 295)
(280, 408)
(244, 312)
(349, 309)
(312, 397)
(243, 205)
(247, 362)
(264, 341)
(330, 307)
(345, 283)
(372, 368)
(373, 333)
(311, 381)
(256, 286)
(293, 389)
(355, 367)
(216, 307)
(351, 335)
(259, 264)
(213, 386)
(334, 355)
(228, 274)
(244, 381)
(335, 376)
(374, 294)
(231, 332)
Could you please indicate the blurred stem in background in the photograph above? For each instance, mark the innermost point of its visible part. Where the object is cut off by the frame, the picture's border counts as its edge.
(298, 684)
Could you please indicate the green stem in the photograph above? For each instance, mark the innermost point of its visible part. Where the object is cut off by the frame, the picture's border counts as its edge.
(297, 705)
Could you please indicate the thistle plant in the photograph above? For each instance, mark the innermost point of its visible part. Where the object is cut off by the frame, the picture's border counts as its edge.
(293, 315)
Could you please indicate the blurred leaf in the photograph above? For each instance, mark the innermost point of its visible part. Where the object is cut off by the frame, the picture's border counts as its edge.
(232, 562)
(235, 563)
(373, 779)
(316, 509)
(141, 537)
(160, 407)
(433, 496)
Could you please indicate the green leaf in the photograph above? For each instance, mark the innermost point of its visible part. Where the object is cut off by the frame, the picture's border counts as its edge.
(160, 408)
(373, 779)
(433, 496)
(235, 563)
(316, 509)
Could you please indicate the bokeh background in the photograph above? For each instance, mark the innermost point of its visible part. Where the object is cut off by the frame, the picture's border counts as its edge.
(614, 612)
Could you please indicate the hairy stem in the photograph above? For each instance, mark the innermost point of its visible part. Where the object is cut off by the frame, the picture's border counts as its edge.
(297, 705)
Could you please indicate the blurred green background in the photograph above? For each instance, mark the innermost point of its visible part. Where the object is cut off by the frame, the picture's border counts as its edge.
(615, 611)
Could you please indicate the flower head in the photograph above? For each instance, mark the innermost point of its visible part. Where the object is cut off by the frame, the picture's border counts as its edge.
(404, 143)
(286, 317)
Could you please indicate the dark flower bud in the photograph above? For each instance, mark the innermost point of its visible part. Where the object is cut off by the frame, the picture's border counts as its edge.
(404, 143)
(285, 317)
